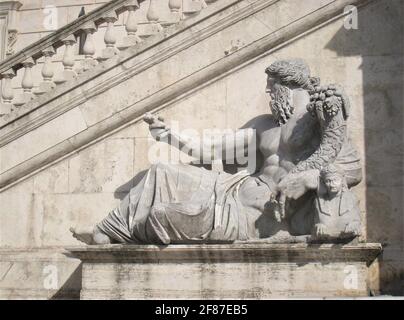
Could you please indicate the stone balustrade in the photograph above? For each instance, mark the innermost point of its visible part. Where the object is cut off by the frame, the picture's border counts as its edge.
(141, 19)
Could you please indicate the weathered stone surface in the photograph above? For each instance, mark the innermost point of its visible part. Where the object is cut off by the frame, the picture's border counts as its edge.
(38, 273)
(53, 180)
(103, 167)
(40, 139)
(20, 220)
(61, 211)
(209, 272)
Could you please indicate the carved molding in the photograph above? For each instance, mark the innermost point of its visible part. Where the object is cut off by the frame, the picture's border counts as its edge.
(236, 252)
(167, 96)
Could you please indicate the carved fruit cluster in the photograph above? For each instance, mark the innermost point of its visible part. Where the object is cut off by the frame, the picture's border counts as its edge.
(326, 99)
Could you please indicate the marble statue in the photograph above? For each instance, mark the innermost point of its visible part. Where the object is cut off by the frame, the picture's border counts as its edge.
(305, 133)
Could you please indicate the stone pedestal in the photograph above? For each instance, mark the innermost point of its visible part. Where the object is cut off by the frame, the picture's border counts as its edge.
(231, 271)
(39, 274)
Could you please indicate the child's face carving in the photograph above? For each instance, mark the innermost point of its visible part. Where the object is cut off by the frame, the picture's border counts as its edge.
(333, 183)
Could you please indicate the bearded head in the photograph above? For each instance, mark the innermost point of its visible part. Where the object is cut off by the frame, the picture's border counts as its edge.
(283, 76)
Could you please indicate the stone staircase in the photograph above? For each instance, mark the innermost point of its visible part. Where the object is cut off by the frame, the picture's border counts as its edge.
(69, 108)
(23, 99)
(139, 26)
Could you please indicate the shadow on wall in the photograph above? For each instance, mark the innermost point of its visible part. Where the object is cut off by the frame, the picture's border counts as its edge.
(122, 191)
(379, 41)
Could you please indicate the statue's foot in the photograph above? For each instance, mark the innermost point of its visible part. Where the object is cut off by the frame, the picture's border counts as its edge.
(83, 234)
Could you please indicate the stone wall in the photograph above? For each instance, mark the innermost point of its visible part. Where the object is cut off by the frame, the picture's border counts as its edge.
(368, 62)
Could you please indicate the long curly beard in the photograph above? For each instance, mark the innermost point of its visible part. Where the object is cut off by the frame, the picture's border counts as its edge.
(280, 105)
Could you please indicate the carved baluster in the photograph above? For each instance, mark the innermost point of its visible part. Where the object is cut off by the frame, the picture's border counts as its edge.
(68, 61)
(109, 38)
(152, 13)
(153, 26)
(47, 72)
(175, 8)
(193, 7)
(131, 26)
(27, 84)
(7, 93)
(89, 47)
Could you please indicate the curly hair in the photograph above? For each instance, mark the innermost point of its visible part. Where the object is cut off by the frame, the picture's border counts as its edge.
(331, 169)
(293, 72)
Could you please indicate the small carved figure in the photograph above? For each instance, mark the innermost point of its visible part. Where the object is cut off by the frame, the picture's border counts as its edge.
(337, 213)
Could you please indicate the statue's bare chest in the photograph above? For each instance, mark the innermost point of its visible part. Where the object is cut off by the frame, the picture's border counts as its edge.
(292, 141)
(299, 136)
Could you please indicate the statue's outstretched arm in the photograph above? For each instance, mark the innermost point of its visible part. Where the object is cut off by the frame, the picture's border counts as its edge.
(224, 147)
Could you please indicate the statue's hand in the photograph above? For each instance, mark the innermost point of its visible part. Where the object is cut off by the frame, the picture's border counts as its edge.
(154, 121)
(294, 185)
(157, 126)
